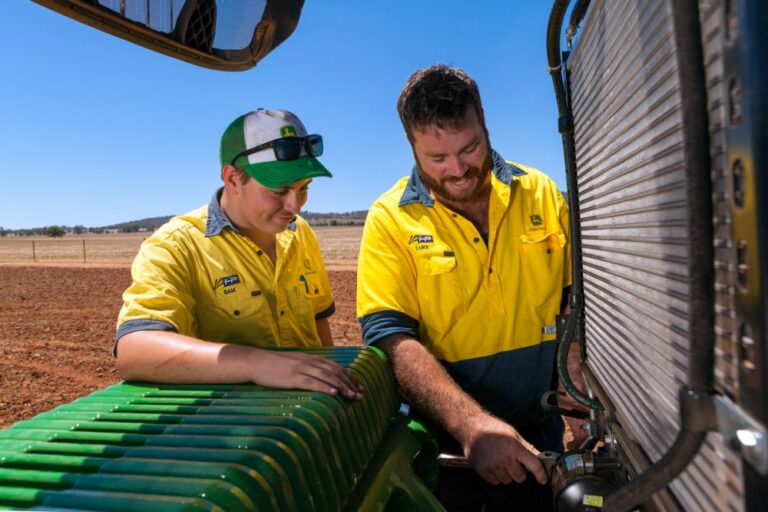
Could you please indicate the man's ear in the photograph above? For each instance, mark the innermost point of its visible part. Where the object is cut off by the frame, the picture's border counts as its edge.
(231, 178)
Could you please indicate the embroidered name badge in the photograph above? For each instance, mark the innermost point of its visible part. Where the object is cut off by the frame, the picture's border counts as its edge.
(227, 281)
(421, 239)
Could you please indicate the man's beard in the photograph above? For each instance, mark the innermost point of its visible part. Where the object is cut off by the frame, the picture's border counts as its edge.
(439, 187)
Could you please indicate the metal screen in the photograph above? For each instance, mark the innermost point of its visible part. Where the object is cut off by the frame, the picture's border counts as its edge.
(625, 95)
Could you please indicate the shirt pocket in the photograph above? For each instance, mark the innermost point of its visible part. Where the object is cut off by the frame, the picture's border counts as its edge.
(243, 321)
(439, 291)
(437, 265)
(305, 298)
(542, 260)
(309, 286)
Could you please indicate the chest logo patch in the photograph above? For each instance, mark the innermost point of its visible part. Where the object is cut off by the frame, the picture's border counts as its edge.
(536, 220)
(421, 239)
(227, 281)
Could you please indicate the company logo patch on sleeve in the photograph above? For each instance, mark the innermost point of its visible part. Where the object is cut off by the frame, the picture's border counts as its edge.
(421, 239)
(227, 281)
(549, 329)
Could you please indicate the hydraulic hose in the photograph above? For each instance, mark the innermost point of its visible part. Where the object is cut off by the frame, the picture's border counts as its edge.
(579, 10)
(566, 129)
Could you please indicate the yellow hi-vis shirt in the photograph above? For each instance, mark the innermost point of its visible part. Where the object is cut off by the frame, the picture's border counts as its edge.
(197, 275)
(485, 310)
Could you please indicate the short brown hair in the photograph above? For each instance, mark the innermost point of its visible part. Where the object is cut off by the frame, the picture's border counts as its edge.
(438, 96)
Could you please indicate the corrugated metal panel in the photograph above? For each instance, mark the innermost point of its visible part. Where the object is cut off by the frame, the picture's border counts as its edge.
(214, 447)
(632, 199)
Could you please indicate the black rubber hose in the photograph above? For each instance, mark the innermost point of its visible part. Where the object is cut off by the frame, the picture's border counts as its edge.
(553, 50)
(701, 253)
(566, 129)
(579, 10)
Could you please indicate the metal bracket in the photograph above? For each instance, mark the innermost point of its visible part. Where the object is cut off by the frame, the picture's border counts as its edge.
(743, 433)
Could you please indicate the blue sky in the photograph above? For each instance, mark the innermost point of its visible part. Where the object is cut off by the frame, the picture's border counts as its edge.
(97, 131)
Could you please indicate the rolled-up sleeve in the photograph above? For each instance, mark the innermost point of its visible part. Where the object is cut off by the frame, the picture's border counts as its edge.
(386, 280)
(158, 297)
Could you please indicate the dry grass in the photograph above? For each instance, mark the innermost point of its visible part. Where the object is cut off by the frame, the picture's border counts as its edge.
(340, 246)
(85, 248)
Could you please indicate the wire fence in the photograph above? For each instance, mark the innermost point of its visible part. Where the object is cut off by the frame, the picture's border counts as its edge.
(69, 250)
(339, 245)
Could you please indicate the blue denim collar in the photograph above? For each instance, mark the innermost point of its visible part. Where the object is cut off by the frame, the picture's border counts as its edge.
(218, 220)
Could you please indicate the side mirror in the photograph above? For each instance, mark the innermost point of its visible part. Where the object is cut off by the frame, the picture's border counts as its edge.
(216, 34)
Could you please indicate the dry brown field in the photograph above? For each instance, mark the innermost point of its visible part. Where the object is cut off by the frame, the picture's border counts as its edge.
(58, 312)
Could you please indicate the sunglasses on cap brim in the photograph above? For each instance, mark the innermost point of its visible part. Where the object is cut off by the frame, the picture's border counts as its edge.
(288, 148)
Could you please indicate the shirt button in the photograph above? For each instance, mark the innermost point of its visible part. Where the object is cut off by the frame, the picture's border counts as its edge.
(490, 270)
(237, 312)
(476, 239)
(454, 215)
(259, 253)
(282, 312)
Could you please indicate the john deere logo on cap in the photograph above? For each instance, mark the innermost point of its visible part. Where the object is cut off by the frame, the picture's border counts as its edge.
(288, 131)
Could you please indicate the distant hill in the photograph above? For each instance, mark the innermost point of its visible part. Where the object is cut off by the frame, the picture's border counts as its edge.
(355, 218)
(133, 226)
(315, 219)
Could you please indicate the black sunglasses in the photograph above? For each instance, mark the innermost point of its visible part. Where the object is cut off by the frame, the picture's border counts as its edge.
(288, 148)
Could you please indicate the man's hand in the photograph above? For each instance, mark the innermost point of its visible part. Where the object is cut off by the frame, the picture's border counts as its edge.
(303, 371)
(499, 453)
(566, 401)
(577, 434)
(496, 451)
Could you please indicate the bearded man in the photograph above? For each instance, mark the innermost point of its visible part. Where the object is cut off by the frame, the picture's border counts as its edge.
(463, 267)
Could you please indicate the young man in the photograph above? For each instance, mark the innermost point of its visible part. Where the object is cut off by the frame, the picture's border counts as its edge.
(462, 271)
(215, 287)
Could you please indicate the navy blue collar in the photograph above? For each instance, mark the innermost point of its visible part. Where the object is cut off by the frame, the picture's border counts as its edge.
(416, 192)
(218, 220)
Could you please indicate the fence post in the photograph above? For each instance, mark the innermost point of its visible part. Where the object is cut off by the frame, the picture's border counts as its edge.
(83, 250)
(34, 255)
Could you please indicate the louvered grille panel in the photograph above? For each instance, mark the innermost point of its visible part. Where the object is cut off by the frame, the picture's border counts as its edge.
(625, 99)
(629, 144)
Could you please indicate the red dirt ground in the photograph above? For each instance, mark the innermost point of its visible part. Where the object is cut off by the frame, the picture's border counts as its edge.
(57, 326)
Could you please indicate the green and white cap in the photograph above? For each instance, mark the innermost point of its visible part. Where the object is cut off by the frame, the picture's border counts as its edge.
(261, 126)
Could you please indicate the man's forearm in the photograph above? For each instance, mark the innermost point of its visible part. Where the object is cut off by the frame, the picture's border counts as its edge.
(161, 356)
(169, 357)
(426, 384)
